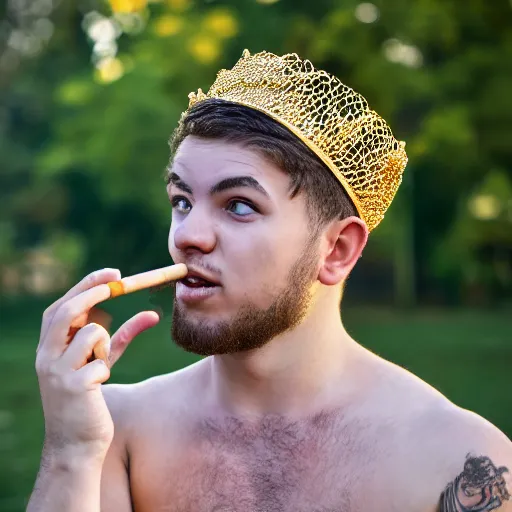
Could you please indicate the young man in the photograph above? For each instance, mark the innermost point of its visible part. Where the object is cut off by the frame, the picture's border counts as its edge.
(278, 175)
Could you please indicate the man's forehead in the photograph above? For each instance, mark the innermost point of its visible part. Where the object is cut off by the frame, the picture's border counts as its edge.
(206, 162)
(196, 152)
(184, 166)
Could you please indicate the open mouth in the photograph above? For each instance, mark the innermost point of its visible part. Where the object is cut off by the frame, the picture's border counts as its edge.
(197, 282)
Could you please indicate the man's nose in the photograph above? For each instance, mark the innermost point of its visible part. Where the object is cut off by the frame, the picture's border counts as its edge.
(196, 230)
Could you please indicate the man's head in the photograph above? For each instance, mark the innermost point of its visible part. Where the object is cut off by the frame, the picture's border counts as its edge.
(273, 251)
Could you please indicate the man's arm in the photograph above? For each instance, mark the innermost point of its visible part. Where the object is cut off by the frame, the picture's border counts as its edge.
(67, 480)
(87, 481)
(484, 480)
(79, 428)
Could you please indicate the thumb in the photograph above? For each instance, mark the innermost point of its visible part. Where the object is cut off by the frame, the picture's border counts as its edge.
(129, 330)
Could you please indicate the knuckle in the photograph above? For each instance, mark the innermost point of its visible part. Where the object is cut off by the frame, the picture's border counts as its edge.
(124, 336)
(69, 383)
(41, 366)
(67, 311)
(47, 312)
(52, 371)
(102, 370)
(53, 376)
(50, 311)
(102, 367)
(95, 331)
(90, 279)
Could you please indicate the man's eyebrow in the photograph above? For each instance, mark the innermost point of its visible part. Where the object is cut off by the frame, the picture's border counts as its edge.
(173, 178)
(225, 184)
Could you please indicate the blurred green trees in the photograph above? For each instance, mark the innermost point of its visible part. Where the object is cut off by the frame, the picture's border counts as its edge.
(91, 91)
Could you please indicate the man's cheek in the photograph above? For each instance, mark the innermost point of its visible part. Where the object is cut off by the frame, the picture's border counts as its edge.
(262, 292)
(266, 265)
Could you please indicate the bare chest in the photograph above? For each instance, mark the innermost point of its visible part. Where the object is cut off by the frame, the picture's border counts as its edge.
(275, 466)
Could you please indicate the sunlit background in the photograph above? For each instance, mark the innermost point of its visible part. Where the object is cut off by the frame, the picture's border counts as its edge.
(90, 93)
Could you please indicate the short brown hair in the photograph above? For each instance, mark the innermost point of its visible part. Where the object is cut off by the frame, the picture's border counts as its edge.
(326, 198)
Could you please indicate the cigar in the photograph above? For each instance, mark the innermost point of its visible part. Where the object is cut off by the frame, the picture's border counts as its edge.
(148, 279)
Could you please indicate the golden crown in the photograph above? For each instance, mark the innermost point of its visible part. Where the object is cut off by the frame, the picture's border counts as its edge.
(332, 119)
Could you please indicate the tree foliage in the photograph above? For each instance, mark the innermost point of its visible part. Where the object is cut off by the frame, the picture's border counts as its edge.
(86, 113)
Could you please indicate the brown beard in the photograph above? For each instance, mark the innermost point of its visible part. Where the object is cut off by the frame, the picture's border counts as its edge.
(252, 327)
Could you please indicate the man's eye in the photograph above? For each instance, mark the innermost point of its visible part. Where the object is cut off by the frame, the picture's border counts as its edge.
(244, 208)
(240, 208)
(179, 202)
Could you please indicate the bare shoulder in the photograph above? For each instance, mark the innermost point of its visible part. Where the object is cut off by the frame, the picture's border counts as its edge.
(474, 457)
(451, 458)
(148, 401)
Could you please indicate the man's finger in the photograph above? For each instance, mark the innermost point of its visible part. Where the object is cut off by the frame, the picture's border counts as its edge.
(95, 278)
(69, 318)
(89, 376)
(129, 330)
(82, 347)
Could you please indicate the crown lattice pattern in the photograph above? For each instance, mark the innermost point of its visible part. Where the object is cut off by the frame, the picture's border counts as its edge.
(333, 120)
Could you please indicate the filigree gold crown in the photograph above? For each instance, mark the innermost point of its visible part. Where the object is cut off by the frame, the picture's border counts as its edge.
(333, 120)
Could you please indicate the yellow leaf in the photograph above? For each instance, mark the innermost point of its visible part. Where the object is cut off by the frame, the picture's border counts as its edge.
(222, 23)
(179, 5)
(168, 25)
(109, 70)
(128, 5)
(204, 49)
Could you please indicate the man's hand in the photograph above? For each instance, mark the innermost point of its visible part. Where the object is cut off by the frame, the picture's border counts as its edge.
(77, 419)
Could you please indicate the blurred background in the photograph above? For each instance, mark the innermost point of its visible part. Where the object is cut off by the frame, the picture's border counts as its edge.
(90, 91)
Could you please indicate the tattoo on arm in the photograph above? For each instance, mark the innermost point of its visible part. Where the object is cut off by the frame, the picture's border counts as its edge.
(479, 488)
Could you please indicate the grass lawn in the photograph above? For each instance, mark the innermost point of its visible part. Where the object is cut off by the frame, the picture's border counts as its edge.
(467, 355)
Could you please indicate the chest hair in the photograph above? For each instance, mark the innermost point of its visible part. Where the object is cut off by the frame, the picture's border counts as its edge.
(277, 465)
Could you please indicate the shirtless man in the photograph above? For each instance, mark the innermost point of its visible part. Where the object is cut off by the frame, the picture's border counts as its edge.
(286, 413)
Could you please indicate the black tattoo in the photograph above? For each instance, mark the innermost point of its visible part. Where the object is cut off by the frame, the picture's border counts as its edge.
(479, 488)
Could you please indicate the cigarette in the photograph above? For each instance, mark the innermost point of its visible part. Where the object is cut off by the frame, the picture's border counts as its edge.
(147, 279)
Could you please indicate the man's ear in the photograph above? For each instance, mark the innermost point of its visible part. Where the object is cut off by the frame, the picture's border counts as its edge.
(344, 242)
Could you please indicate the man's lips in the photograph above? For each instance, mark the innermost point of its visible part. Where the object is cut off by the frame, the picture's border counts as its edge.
(194, 294)
(192, 282)
(196, 272)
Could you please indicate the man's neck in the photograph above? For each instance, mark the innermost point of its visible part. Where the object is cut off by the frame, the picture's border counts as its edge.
(295, 374)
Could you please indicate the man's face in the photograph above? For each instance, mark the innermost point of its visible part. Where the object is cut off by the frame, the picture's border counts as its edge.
(255, 243)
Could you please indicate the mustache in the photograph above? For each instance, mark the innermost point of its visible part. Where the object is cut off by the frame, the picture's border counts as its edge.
(202, 265)
(161, 297)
